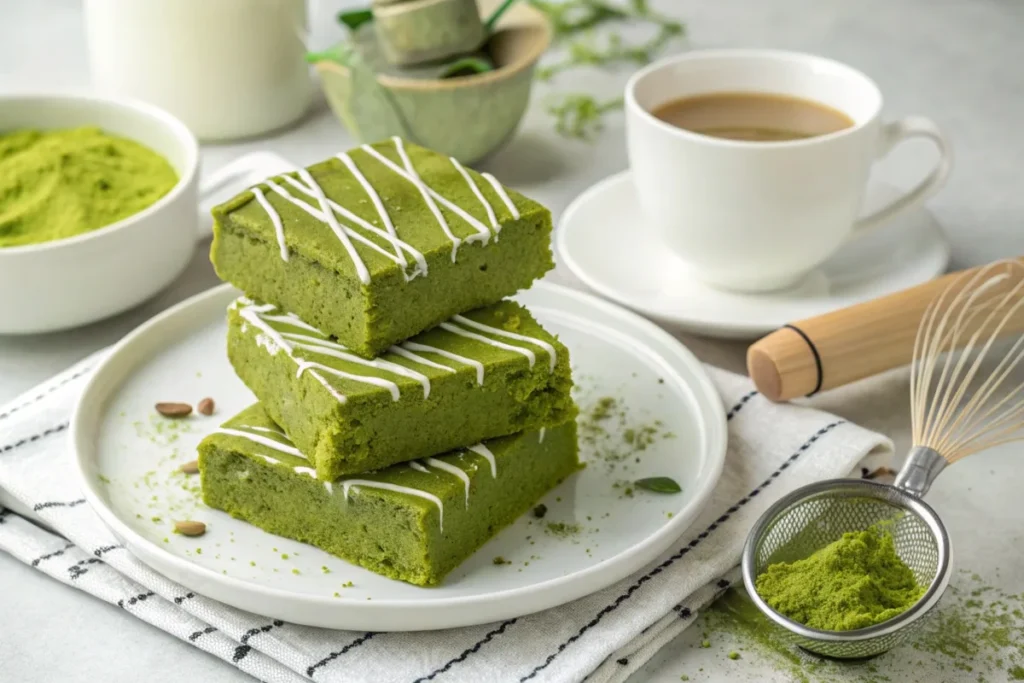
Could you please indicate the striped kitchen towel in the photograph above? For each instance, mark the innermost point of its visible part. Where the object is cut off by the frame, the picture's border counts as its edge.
(604, 637)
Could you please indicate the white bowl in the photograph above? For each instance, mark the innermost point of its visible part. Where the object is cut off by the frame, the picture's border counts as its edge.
(70, 282)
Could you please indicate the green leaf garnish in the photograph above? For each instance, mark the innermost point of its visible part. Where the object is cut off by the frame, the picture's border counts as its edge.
(355, 18)
(467, 66)
(658, 484)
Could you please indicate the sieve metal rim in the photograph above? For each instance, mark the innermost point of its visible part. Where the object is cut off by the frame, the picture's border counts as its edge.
(869, 489)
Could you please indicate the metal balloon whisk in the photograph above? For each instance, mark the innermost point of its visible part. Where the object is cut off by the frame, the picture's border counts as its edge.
(966, 395)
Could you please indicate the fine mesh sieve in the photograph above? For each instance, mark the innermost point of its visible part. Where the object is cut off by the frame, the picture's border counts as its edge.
(813, 516)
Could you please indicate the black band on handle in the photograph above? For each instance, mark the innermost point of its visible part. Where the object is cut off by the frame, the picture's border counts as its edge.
(817, 358)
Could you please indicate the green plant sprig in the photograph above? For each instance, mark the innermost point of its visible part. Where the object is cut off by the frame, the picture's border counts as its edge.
(579, 115)
(573, 17)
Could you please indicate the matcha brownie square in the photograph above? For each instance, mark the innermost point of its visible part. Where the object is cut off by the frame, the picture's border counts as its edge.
(490, 372)
(415, 521)
(377, 244)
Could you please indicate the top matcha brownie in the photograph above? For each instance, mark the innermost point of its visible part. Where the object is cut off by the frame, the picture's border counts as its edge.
(377, 244)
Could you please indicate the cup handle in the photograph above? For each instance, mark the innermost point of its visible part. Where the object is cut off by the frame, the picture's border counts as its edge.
(893, 133)
(213, 186)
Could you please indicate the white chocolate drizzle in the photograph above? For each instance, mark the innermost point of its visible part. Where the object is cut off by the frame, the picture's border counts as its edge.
(335, 350)
(251, 314)
(347, 484)
(552, 356)
(416, 346)
(246, 432)
(455, 329)
(540, 434)
(414, 177)
(344, 231)
(263, 441)
(500, 191)
(399, 245)
(275, 218)
(268, 430)
(327, 210)
(365, 379)
(484, 451)
(312, 342)
(479, 195)
(451, 469)
(483, 232)
(416, 358)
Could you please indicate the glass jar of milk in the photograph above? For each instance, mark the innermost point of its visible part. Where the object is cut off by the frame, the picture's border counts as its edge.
(228, 68)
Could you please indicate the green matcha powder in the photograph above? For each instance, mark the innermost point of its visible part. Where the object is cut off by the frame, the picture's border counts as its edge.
(61, 183)
(855, 582)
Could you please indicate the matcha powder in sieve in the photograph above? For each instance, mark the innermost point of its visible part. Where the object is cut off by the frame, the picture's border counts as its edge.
(854, 582)
(60, 183)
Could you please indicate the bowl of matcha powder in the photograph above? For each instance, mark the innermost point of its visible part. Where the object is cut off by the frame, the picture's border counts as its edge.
(98, 207)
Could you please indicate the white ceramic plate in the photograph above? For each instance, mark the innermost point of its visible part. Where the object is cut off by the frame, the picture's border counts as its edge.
(126, 457)
(602, 238)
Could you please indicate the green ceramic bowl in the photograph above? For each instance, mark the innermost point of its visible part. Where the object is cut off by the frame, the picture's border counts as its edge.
(467, 117)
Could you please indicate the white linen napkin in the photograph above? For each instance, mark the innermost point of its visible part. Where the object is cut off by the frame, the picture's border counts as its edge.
(604, 637)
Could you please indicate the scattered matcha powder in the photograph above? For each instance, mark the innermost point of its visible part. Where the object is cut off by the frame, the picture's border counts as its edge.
(964, 635)
(499, 560)
(562, 529)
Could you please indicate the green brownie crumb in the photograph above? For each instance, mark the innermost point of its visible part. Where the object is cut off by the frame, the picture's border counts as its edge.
(734, 655)
(500, 560)
(296, 572)
(540, 511)
(284, 556)
(325, 570)
(563, 529)
(347, 584)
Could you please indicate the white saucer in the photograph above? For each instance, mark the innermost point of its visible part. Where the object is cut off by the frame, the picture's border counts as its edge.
(603, 240)
(125, 458)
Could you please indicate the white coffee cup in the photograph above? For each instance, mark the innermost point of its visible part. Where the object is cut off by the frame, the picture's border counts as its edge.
(757, 216)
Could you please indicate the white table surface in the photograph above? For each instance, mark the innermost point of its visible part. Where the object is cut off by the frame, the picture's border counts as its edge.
(958, 61)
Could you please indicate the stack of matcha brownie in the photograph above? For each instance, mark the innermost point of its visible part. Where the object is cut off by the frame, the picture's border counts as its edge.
(407, 412)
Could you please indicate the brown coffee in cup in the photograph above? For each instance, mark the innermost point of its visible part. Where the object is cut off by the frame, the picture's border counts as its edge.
(752, 116)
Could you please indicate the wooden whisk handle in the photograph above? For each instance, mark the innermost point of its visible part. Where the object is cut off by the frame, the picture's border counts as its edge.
(837, 348)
